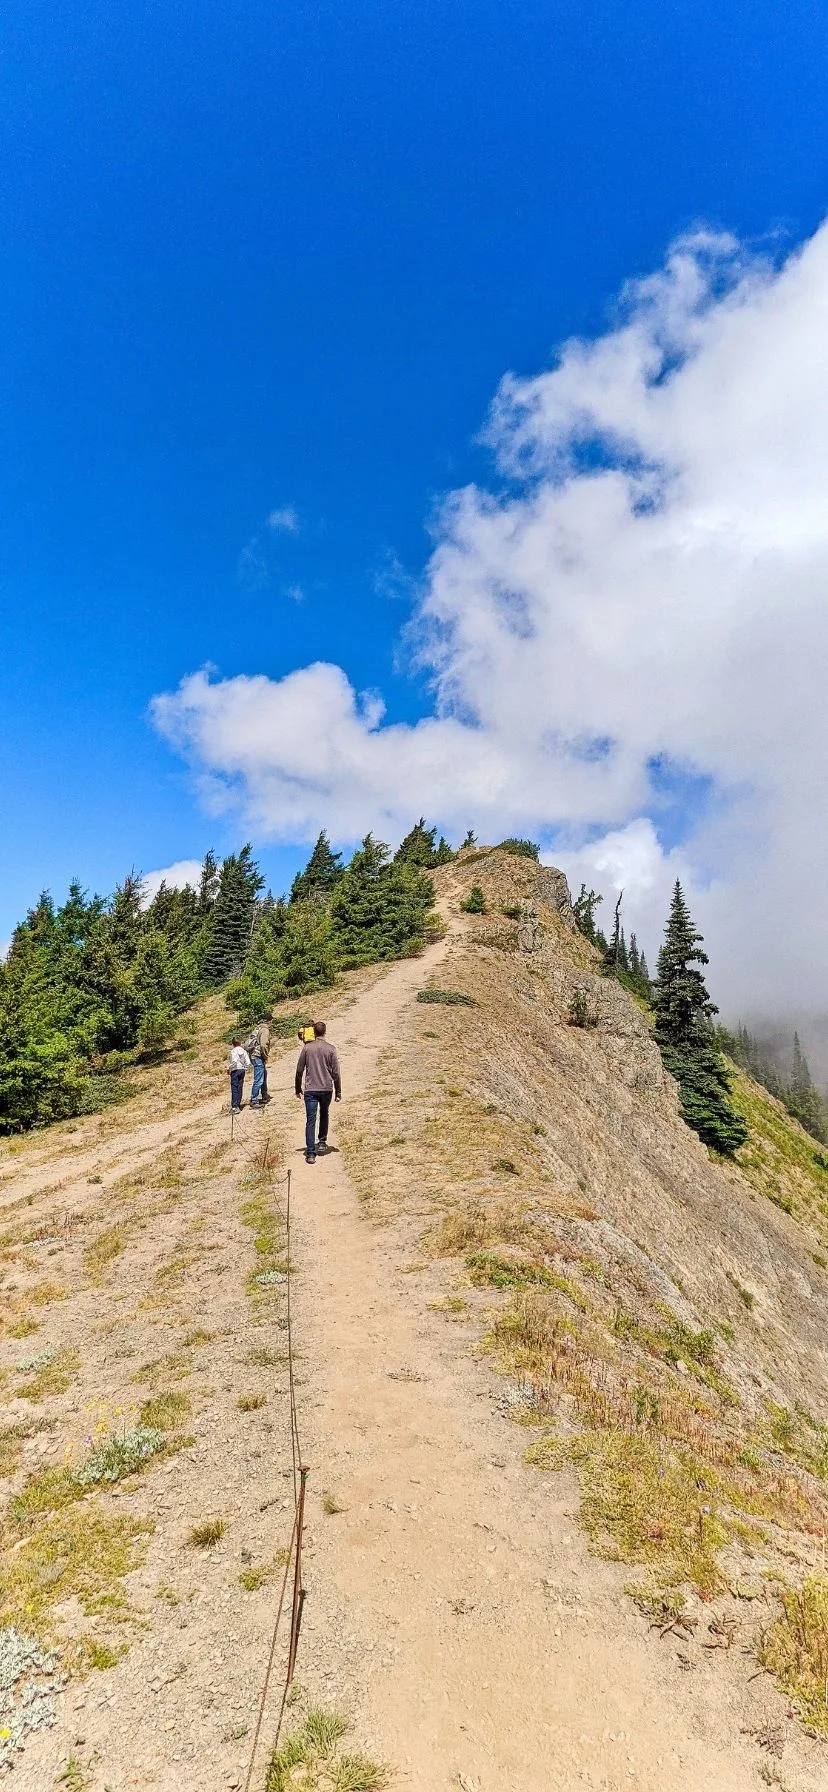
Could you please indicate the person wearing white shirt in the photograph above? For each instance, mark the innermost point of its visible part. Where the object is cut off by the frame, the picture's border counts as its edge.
(238, 1063)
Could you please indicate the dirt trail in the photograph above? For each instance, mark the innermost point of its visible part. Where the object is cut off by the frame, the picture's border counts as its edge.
(453, 1609)
(453, 1600)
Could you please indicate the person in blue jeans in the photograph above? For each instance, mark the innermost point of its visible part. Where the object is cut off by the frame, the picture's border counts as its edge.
(238, 1064)
(258, 1047)
(318, 1070)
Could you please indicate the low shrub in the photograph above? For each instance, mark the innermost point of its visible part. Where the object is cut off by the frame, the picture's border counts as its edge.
(581, 1012)
(523, 849)
(450, 998)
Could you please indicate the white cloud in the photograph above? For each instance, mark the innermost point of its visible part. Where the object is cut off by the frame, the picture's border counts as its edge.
(254, 566)
(284, 521)
(5, 948)
(176, 877)
(645, 605)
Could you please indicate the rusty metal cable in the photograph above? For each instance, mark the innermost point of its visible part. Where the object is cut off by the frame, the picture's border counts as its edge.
(294, 1553)
(269, 1670)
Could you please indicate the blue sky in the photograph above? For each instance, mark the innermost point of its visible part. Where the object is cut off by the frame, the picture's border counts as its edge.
(263, 260)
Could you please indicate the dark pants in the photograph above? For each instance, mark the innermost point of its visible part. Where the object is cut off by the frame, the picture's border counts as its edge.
(321, 1099)
(236, 1088)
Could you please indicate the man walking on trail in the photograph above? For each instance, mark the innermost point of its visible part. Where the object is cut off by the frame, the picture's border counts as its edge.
(258, 1046)
(319, 1065)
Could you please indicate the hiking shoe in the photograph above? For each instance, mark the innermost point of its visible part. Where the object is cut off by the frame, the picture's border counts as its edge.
(309, 1160)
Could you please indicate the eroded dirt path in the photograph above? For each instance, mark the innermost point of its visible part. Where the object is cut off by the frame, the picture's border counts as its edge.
(453, 1602)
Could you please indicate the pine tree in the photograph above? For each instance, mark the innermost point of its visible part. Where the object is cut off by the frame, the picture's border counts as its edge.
(292, 954)
(683, 1030)
(801, 1098)
(583, 909)
(379, 908)
(209, 884)
(421, 848)
(321, 873)
(612, 951)
(232, 916)
(637, 976)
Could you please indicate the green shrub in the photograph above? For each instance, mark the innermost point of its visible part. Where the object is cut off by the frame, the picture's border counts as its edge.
(523, 849)
(450, 998)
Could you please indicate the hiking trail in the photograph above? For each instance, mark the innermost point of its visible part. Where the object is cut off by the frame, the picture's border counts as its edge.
(453, 1609)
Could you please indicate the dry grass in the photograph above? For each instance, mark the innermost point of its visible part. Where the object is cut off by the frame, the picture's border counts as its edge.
(795, 1650)
(313, 1758)
(165, 1411)
(51, 1374)
(24, 1327)
(174, 1366)
(44, 1294)
(260, 1574)
(251, 1402)
(474, 1226)
(80, 1552)
(207, 1534)
(103, 1250)
(12, 1439)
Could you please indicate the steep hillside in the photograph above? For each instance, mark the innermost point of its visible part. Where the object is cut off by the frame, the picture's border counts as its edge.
(659, 1316)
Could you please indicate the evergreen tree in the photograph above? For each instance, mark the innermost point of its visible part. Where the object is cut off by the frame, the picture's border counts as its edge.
(583, 909)
(470, 840)
(83, 981)
(209, 884)
(802, 1099)
(292, 954)
(421, 848)
(320, 875)
(637, 976)
(232, 916)
(379, 909)
(683, 1030)
(612, 965)
(176, 914)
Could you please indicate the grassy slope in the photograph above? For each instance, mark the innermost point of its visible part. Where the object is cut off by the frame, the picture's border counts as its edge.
(659, 1323)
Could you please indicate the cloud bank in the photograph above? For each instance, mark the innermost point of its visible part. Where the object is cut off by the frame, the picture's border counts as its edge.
(626, 638)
